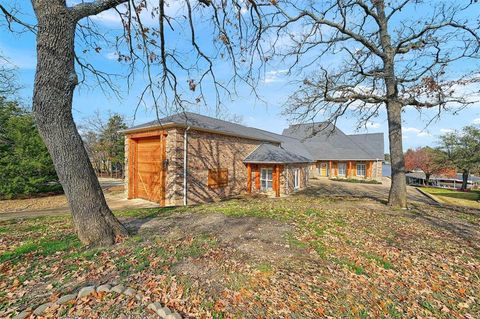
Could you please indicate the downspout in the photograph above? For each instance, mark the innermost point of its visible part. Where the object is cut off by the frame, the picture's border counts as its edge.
(185, 165)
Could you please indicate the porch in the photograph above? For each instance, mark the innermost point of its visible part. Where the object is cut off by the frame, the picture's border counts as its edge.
(343, 169)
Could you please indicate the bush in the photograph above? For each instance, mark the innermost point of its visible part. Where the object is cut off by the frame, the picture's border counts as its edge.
(25, 165)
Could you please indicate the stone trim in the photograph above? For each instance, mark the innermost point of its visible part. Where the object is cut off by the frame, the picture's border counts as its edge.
(87, 291)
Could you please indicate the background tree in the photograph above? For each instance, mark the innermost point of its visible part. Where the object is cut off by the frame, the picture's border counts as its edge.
(462, 150)
(25, 165)
(379, 54)
(105, 144)
(429, 160)
(230, 30)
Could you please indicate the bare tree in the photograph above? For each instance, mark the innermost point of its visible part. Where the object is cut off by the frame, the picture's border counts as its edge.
(380, 54)
(233, 28)
(8, 78)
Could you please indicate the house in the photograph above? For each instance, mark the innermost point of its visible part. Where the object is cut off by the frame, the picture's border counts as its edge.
(188, 158)
(337, 154)
(418, 178)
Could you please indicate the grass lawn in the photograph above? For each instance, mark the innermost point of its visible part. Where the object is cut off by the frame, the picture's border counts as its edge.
(454, 197)
(296, 257)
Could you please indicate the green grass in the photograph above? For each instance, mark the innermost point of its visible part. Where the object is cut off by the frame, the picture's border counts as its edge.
(379, 260)
(148, 212)
(454, 197)
(357, 269)
(43, 247)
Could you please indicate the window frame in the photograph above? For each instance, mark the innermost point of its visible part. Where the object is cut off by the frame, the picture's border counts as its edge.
(296, 178)
(344, 166)
(364, 169)
(265, 180)
(217, 177)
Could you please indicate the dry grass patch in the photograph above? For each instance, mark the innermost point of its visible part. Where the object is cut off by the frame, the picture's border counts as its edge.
(296, 257)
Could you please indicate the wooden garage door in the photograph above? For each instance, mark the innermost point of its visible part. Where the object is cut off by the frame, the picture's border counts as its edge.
(149, 167)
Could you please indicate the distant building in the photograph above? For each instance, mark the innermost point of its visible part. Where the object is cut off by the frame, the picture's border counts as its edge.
(419, 179)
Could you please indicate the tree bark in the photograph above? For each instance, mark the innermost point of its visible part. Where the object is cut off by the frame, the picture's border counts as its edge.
(465, 174)
(55, 81)
(398, 190)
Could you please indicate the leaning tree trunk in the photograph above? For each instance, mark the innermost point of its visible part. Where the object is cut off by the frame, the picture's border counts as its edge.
(398, 190)
(55, 80)
(465, 174)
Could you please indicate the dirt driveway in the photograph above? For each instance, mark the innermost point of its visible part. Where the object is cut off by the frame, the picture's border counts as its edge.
(57, 204)
(379, 192)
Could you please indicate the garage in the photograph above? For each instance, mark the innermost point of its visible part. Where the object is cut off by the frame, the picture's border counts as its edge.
(146, 158)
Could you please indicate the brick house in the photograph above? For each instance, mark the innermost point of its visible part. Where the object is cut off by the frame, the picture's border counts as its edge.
(189, 158)
(339, 155)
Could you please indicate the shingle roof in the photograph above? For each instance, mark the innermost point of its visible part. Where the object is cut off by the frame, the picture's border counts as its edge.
(306, 142)
(288, 144)
(372, 142)
(212, 124)
(269, 153)
(324, 141)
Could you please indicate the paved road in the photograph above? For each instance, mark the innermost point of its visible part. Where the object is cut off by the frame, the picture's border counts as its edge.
(324, 186)
(115, 200)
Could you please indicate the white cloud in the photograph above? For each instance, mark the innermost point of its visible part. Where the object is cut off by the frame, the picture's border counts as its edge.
(372, 125)
(416, 131)
(112, 56)
(275, 76)
(476, 121)
(424, 134)
(446, 130)
(411, 129)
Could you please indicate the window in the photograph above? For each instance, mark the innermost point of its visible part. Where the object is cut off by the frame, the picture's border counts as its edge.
(266, 179)
(296, 178)
(342, 169)
(217, 177)
(361, 170)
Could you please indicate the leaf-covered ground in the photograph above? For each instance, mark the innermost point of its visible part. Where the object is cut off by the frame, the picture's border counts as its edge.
(296, 257)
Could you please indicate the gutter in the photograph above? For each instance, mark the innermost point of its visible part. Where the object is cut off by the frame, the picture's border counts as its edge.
(185, 165)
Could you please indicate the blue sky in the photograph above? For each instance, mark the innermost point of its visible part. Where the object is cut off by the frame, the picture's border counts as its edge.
(274, 89)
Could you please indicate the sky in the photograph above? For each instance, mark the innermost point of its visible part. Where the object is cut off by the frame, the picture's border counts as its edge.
(274, 89)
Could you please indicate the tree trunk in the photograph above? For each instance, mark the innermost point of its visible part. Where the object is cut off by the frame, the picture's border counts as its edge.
(427, 179)
(465, 180)
(398, 190)
(55, 80)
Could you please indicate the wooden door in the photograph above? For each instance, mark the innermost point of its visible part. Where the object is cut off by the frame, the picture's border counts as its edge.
(323, 169)
(149, 170)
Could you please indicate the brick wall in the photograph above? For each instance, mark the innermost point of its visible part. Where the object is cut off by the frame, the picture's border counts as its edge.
(212, 151)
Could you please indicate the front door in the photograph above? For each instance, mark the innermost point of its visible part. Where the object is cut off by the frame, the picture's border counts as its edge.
(323, 169)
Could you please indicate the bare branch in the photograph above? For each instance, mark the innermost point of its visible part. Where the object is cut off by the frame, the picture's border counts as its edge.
(86, 9)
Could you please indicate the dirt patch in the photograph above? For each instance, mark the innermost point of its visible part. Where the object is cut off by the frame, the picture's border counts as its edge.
(257, 238)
